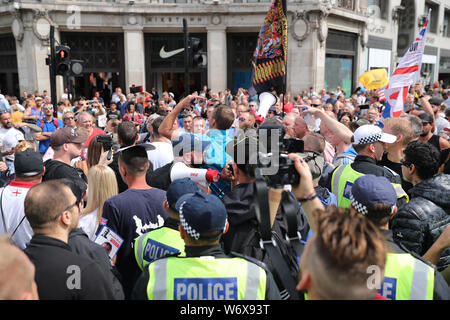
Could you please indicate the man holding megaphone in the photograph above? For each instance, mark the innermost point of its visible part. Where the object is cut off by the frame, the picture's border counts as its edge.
(188, 152)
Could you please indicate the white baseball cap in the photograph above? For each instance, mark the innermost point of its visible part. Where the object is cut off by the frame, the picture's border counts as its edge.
(370, 133)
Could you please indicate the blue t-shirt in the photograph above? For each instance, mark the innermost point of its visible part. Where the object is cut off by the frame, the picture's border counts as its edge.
(48, 127)
(131, 214)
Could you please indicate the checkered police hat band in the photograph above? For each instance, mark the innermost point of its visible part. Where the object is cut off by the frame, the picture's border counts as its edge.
(190, 231)
(370, 139)
(358, 206)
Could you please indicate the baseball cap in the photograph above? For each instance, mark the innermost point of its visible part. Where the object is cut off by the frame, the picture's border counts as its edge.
(426, 118)
(28, 163)
(171, 94)
(436, 101)
(66, 135)
(38, 98)
(187, 143)
(315, 163)
(369, 190)
(370, 134)
(179, 188)
(201, 213)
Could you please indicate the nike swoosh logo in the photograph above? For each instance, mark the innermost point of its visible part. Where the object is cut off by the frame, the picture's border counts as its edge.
(164, 54)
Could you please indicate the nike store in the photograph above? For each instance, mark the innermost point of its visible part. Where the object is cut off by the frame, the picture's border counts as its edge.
(164, 65)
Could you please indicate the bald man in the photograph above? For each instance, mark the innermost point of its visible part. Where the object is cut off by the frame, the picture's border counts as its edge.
(16, 273)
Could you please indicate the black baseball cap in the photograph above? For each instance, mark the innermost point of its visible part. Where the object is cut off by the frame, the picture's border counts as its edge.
(28, 163)
(426, 118)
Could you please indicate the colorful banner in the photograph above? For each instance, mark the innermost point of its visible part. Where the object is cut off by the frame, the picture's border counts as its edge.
(270, 56)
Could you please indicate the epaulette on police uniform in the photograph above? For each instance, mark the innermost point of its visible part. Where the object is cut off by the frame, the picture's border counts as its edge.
(415, 255)
(253, 260)
(392, 171)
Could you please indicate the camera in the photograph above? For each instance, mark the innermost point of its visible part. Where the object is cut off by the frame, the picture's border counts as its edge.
(135, 89)
(273, 153)
(107, 141)
(267, 151)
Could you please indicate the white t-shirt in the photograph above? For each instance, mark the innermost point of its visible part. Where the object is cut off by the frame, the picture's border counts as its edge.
(162, 155)
(89, 224)
(12, 203)
(9, 138)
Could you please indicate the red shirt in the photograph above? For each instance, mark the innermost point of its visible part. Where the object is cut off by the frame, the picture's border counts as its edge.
(95, 132)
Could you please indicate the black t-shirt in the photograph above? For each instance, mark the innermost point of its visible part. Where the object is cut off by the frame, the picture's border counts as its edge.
(114, 115)
(55, 169)
(160, 178)
(397, 168)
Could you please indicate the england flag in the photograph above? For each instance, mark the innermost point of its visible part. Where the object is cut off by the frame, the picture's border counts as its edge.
(406, 74)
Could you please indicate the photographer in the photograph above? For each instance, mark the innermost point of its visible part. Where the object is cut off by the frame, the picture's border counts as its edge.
(133, 116)
(113, 112)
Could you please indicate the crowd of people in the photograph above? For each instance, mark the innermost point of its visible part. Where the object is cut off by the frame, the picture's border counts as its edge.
(169, 182)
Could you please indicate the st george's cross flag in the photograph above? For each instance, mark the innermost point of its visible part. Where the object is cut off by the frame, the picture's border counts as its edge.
(406, 74)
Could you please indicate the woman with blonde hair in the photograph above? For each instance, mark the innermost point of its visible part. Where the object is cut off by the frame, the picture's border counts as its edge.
(102, 186)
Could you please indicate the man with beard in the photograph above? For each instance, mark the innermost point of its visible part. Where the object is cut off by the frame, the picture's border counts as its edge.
(427, 133)
(53, 212)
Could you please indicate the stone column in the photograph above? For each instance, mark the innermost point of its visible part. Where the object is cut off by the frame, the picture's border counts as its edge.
(134, 56)
(306, 53)
(217, 58)
(31, 53)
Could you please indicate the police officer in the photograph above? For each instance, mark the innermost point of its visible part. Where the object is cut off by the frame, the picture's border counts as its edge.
(165, 240)
(206, 273)
(406, 275)
(368, 141)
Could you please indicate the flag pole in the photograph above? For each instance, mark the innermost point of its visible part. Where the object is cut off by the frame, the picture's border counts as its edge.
(284, 3)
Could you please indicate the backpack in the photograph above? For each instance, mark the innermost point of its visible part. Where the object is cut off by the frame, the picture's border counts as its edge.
(55, 122)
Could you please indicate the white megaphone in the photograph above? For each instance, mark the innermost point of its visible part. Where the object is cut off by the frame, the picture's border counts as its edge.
(266, 100)
(204, 177)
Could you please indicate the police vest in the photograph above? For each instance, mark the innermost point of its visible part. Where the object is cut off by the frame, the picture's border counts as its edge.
(407, 278)
(157, 244)
(206, 278)
(342, 181)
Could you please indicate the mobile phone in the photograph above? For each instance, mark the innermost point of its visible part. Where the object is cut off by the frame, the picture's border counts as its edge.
(230, 167)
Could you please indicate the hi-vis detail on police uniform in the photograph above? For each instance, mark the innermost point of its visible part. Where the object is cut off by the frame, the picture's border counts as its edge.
(342, 181)
(407, 278)
(157, 244)
(206, 278)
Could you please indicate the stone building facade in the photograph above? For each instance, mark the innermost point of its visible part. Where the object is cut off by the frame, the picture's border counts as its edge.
(126, 42)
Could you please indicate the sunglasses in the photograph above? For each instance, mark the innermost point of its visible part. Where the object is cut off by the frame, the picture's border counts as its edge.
(316, 105)
(48, 108)
(67, 209)
(69, 118)
(242, 119)
(405, 163)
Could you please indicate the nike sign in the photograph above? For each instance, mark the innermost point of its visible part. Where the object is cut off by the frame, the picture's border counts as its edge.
(163, 54)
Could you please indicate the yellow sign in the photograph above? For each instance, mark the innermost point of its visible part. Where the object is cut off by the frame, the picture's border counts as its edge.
(374, 79)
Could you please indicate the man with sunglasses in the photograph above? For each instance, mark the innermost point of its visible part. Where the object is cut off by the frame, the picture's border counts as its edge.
(48, 125)
(69, 119)
(53, 212)
(419, 223)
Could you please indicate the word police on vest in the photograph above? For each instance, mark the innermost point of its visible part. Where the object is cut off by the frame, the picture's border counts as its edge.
(206, 289)
(202, 176)
(154, 250)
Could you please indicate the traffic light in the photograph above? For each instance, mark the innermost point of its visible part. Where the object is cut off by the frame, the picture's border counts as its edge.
(76, 67)
(198, 58)
(62, 60)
